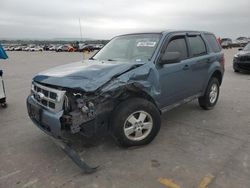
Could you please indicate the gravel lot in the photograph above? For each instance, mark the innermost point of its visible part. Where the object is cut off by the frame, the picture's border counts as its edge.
(193, 144)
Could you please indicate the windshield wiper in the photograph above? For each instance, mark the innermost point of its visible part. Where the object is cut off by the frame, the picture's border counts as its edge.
(111, 60)
(102, 60)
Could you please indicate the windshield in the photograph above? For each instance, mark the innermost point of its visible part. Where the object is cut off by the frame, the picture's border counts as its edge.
(247, 47)
(138, 47)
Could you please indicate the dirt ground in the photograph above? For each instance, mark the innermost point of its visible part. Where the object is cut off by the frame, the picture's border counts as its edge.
(193, 148)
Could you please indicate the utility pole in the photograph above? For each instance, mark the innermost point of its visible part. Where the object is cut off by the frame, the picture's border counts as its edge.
(80, 25)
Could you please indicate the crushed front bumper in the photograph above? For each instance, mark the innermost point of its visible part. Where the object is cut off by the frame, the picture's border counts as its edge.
(50, 123)
(47, 121)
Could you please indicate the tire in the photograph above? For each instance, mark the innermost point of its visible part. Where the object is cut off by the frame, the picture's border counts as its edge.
(4, 105)
(209, 100)
(138, 133)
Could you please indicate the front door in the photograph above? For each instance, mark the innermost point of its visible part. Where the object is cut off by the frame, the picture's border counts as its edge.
(174, 77)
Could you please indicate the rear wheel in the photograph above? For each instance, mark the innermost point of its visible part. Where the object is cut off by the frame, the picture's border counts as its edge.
(135, 122)
(209, 100)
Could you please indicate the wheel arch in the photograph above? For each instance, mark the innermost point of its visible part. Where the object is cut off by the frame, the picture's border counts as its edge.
(137, 93)
(217, 74)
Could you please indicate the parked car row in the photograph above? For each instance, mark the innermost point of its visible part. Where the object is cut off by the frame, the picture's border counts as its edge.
(32, 48)
(229, 43)
(53, 47)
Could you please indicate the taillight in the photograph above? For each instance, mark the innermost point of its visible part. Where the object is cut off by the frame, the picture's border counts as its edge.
(223, 60)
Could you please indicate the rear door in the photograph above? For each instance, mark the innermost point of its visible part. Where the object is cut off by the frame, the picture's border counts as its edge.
(200, 61)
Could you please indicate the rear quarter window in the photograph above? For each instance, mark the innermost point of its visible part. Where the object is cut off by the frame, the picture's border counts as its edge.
(213, 43)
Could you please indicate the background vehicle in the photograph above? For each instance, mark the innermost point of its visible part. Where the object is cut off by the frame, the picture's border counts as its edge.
(65, 48)
(35, 49)
(10, 48)
(24, 47)
(87, 47)
(125, 87)
(45, 47)
(29, 47)
(226, 43)
(98, 46)
(52, 47)
(71, 49)
(241, 61)
(242, 41)
(18, 48)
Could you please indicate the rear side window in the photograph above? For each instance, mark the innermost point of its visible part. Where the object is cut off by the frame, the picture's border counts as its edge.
(197, 45)
(178, 45)
(213, 43)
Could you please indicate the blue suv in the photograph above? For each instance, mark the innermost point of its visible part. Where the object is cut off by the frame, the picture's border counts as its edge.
(125, 87)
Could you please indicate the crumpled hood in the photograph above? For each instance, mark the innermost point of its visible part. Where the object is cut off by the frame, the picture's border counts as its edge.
(87, 75)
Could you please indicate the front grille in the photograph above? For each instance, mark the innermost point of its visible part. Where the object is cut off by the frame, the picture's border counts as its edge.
(245, 66)
(47, 97)
(245, 58)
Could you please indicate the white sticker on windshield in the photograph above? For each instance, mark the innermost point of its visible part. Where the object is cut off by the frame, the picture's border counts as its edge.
(146, 44)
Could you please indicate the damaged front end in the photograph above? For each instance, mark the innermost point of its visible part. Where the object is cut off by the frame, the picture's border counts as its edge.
(83, 109)
(62, 111)
(75, 104)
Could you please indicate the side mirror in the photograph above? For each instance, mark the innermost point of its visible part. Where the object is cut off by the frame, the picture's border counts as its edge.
(170, 57)
(240, 49)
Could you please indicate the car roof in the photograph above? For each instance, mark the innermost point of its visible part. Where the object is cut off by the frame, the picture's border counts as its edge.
(166, 32)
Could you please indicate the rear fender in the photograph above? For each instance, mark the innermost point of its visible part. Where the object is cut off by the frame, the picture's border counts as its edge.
(214, 71)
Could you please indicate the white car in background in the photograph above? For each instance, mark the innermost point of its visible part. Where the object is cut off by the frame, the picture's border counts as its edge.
(52, 48)
(36, 49)
(10, 48)
(242, 41)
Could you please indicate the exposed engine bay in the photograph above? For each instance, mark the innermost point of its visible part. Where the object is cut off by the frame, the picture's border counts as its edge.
(81, 108)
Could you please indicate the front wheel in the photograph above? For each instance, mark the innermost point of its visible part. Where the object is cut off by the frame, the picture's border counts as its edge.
(4, 105)
(209, 100)
(135, 122)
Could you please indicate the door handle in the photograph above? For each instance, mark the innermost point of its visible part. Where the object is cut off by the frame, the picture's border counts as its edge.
(210, 60)
(186, 67)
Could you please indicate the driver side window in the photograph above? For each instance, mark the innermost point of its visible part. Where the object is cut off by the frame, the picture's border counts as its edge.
(178, 45)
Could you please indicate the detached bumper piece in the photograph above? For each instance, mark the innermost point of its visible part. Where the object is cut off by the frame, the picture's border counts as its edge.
(49, 122)
(75, 157)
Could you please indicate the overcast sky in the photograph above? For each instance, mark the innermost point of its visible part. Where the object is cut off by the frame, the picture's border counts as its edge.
(103, 19)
